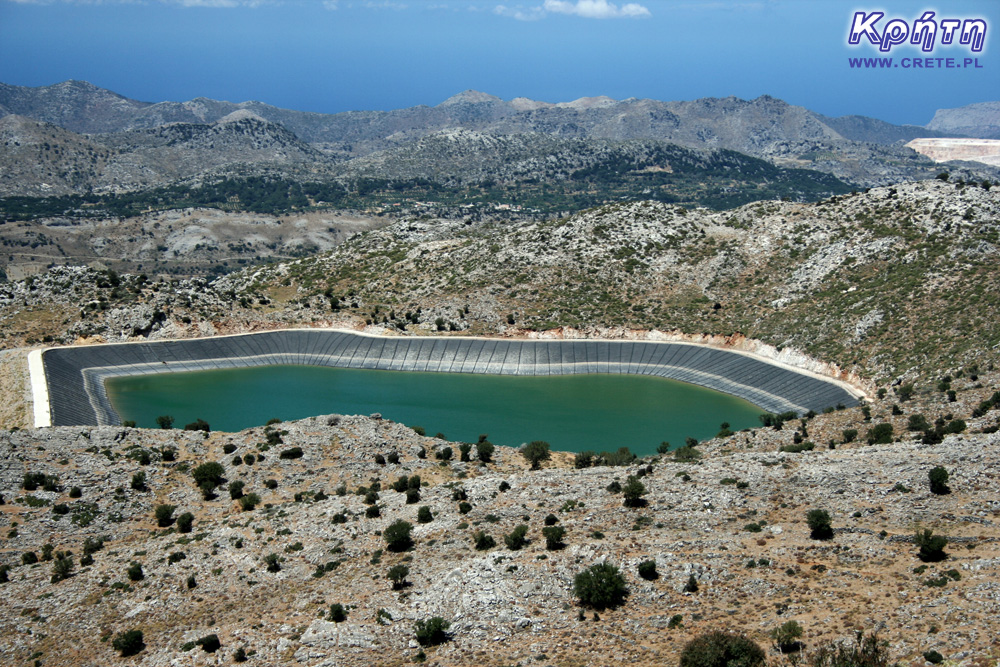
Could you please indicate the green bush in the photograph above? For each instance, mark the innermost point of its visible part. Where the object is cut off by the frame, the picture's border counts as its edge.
(933, 657)
(397, 574)
(165, 421)
(185, 522)
(516, 539)
(291, 453)
(412, 496)
(786, 636)
(535, 452)
(209, 643)
(849, 435)
(397, 535)
(236, 489)
(647, 570)
(722, 649)
(62, 568)
(600, 586)
(198, 425)
(865, 651)
(249, 502)
(553, 537)
(139, 481)
(880, 434)
(819, 524)
(164, 515)
(634, 490)
(135, 572)
(432, 632)
(337, 613)
(424, 514)
(484, 450)
(938, 477)
(686, 454)
(931, 546)
(692, 584)
(209, 473)
(483, 541)
(128, 642)
(273, 562)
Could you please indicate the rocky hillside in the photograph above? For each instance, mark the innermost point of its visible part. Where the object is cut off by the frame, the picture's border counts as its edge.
(862, 150)
(292, 557)
(893, 285)
(974, 120)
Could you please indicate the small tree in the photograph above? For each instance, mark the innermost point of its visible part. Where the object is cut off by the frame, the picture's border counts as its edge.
(880, 434)
(432, 632)
(535, 452)
(249, 502)
(633, 491)
(931, 546)
(819, 524)
(135, 573)
(128, 643)
(786, 636)
(722, 649)
(139, 481)
(397, 574)
(516, 540)
(165, 422)
(236, 489)
(184, 522)
(483, 541)
(273, 562)
(198, 425)
(397, 535)
(337, 613)
(412, 496)
(647, 570)
(692, 584)
(62, 568)
(554, 537)
(209, 643)
(484, 450)
(939, 481)
(600, 586)
(424, 514)
(210, 474)
(164, 515)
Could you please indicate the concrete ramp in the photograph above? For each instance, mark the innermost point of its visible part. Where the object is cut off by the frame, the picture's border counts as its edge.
(74, 391)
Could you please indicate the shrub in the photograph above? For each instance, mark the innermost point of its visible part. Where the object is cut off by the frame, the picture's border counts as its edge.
(444, 454)
(75, 492)
(504, 486)
(849, 435)
(164, 515)
(397, 535)
(432, 632)
(249, 502)
(128, 643)
(61, 508)
(819, 524)
(786, 636)
(92, 545)
(210, 473)
(600, 586)
(484, 450)
(880, 434)
(647, 570)
(634, 490)
(938, 477)
(135, 572)
(291, 453)
(397, 574)
(687, 453)
(464, 507)
(209, 643)
(412, 496)
(535, 452)
(29, 558)
(165, 421)
(198, 425)
(62, 568)
(373, 512)
(584, 459)
(273, 562)
(692, 584)
(337, 613)
(184, 522)
(516, 539)
(722, 649)
(483, 541)
(931, 546)
(933, 657)
(240, 655)
(554, 537)
(424, 514)
(865, 651)
(797, 448)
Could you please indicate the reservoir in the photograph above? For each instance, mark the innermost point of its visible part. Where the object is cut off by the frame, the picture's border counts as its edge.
(598, 411)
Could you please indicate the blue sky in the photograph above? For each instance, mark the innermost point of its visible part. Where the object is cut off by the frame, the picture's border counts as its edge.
(340, 55)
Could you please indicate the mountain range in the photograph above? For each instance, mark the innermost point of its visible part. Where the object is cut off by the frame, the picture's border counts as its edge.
(74, 137)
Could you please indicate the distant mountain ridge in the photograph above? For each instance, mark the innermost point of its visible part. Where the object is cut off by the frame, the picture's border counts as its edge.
(153, 143)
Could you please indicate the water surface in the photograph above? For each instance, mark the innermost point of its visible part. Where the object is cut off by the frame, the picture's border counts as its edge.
(599, 412)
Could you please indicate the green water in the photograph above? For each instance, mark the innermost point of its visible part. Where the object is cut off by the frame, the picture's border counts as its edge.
(599, 412)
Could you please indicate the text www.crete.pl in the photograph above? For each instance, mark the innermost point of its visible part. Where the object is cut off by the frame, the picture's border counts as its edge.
(915, 63)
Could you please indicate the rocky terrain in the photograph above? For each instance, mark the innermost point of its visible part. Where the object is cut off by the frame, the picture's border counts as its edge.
(262, 574)
(980, 120)
(867, 282)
